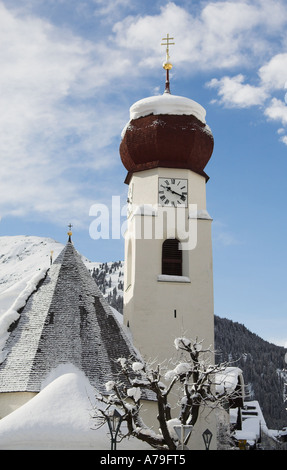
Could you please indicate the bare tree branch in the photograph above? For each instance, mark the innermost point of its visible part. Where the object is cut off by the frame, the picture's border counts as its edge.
(138, 381)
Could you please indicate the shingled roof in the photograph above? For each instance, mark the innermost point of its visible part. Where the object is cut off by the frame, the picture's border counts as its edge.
(65, 321)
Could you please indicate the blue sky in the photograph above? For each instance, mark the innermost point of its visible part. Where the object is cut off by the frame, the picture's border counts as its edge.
(71, 69)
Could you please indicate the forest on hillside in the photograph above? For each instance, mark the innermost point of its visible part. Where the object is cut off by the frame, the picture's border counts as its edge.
(110, 280)
(263, 366)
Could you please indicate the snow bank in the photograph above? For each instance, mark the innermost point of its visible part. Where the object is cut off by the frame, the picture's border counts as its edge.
(60, 418)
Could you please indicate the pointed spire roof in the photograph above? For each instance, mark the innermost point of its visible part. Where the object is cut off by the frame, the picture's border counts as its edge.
(65, 321)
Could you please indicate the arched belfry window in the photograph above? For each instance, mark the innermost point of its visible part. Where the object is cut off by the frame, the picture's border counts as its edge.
(171, 257)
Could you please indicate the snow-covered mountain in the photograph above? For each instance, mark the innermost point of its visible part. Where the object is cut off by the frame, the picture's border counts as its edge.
(22, 257)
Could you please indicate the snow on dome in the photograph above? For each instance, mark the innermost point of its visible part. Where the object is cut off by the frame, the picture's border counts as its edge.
(166, 131)
(167, 104)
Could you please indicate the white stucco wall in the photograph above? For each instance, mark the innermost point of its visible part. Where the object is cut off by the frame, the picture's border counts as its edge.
(10, 401)
(158, 308)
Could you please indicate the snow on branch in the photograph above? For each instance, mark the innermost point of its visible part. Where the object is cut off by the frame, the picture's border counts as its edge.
(199, 384)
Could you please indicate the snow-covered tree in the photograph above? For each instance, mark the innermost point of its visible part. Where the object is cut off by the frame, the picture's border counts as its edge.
(199, 384)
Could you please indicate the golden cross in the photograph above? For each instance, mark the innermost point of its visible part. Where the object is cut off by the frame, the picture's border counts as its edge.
(167, 44)
(167, 65)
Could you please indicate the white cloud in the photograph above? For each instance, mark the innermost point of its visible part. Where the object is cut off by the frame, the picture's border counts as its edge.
(235, 93)
(223, 34)
(277, 111)
(47, 100)
(54, 86)
(273, 74)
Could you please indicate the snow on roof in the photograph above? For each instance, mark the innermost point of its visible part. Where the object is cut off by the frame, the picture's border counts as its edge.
(60, 417)
(253, 423)
(167, 104)
(66, 320)
(12, 314)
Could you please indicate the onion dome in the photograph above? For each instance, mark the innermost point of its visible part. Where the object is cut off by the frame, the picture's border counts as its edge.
(166, 131)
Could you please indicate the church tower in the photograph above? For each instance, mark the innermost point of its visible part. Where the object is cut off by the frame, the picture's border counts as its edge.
(168, 252)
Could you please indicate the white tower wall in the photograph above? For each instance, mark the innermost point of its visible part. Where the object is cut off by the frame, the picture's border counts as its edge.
(158, 308)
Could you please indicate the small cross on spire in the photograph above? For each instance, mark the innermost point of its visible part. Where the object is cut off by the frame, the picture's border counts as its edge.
(70, 232)
(167, 65)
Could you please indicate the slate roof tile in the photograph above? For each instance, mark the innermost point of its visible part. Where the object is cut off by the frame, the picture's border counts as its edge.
(66, 320)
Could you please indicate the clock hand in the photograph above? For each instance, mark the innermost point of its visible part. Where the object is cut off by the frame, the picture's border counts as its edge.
(169, 189)
(178, 194)
(173, 192)
(166, 187)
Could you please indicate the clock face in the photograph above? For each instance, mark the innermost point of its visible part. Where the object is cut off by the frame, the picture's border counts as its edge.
(172, 192)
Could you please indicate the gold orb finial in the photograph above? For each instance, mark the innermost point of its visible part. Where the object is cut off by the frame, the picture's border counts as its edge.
(167, 65)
